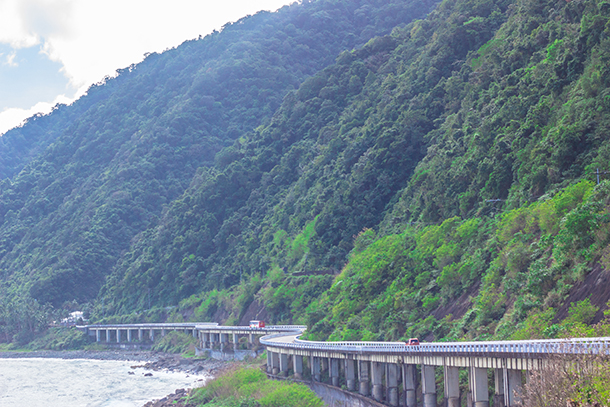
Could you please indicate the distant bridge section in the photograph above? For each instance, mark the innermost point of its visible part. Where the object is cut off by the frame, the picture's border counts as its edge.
(388, 372)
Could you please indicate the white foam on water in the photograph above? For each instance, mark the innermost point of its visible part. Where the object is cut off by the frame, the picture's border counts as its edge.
(40, 382)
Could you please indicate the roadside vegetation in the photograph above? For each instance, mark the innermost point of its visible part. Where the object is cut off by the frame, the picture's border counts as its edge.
(250, 387)
(176, 342)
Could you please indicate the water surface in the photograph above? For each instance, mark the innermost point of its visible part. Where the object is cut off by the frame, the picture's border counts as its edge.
(42, 382)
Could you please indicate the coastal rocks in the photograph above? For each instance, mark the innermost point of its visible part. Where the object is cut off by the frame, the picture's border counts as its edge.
(177, 399)
(174, 363)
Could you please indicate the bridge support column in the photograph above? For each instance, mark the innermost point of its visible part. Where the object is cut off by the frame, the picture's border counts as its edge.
(140, 335)
(350, 374)
(512, 387)
(129, 335)
(428, 386)
(297, 361)
(391, 382)
(283, 364)
(107, 335)
(479, 387)
(195, 333)
(315, 368)
(118, 335)
(363, 377)
(324, 366)
(275, 361)
(97, 335)
(151, 334)
(452, 386)
(250, 341)
(334, 372)
(499, 388)
(212, 340)
(235, 342)
(269, 362)
(163, 332)
(224, 340)
(409, 383)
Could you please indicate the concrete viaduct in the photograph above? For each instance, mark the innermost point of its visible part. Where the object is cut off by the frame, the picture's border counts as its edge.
(388, 372)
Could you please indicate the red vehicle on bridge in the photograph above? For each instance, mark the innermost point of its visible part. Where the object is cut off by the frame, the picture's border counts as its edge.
(257, 324)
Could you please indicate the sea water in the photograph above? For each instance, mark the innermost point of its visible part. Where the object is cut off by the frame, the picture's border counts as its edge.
(41, 382)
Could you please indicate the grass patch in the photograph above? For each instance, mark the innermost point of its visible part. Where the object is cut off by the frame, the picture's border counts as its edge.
(250, 387)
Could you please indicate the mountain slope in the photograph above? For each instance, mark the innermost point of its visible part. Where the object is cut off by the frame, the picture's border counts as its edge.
(292, 195)
(83, 183)
(444, 170)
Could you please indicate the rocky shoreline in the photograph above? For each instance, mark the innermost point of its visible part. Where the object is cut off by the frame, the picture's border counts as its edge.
(150, 360)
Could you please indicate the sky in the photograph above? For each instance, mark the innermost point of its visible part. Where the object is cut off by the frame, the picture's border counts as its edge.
(51, 51)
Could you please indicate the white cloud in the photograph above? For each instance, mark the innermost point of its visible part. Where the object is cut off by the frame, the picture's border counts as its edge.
(14, 117)
(94, 38)
(10, 59)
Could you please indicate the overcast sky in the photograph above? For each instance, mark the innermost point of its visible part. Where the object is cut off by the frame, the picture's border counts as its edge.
(51, 51)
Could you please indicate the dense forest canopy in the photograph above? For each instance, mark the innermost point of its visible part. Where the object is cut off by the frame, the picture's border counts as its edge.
(335, 164)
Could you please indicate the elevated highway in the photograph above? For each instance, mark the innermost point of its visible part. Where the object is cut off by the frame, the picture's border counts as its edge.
(392, 373)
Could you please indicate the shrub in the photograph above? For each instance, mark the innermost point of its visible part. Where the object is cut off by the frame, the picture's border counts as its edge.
(251, 387)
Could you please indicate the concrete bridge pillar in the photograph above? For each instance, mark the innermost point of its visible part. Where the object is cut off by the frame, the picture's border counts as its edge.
(250, 341)
(151, 334)
(283, 364)
(140, 335)
(391, 382)
(235, 341)
(297, 361)
(499, 388)
(315, 368)
(334, 372)
(269, 362)
(275, 361)
(129, 335)
(350, 374)
(224, 340)
(377, 380)
(324, 366)
(212, 340)
(195, 333)
(428, 384)
(163, 332)
(512, 387)
(363, 377)
(118, 335)
(479, 387)
(107, 335)
(97, 335)
(409, 382)
(452, 386)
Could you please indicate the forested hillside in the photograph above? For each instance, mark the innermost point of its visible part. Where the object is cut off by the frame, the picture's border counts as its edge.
(436, 181)
(82, 182)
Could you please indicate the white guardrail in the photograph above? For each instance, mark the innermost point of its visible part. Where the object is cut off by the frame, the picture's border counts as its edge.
(532, 347)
